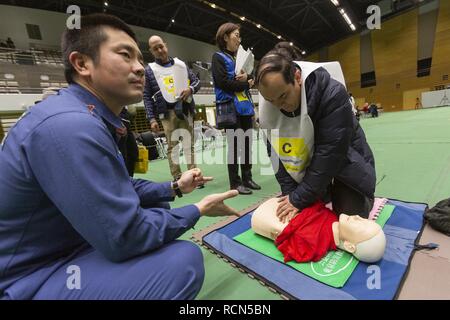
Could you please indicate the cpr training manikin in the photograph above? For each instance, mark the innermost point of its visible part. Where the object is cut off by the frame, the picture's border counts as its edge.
(316, 230)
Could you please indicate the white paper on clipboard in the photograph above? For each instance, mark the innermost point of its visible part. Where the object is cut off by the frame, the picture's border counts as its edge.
(244, 61)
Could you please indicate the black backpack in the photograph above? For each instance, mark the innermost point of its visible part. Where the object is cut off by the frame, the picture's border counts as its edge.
(439, 217)
(126, 143)
(148, 139)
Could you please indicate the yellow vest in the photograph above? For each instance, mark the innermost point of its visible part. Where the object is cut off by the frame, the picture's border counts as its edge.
(292, 138)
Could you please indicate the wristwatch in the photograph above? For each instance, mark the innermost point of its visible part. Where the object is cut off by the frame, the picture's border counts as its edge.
(176, 188)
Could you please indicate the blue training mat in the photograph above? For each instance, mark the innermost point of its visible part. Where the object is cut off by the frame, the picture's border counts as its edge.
(380, 281)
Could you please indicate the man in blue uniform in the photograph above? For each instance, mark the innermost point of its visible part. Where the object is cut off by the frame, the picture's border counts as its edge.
(73, 224)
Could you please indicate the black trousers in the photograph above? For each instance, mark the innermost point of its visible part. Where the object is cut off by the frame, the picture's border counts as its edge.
(240, 152)
(349, 201)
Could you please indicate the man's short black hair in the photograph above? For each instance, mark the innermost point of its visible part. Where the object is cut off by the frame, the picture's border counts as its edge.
(88, 38)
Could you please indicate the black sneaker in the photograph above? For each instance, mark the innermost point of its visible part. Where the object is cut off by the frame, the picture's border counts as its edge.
(200, 186)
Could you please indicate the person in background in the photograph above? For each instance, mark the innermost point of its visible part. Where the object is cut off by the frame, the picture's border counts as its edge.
(229, 86)
(10, 43)
(161, 102)
(373, 110)
(353, 103)
(366, 108)
(418, 104)
(321, 153)
(73, 223)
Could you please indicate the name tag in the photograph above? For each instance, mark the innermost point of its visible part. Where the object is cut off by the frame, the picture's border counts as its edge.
(241, 96)
(169, 84)
(293, 152)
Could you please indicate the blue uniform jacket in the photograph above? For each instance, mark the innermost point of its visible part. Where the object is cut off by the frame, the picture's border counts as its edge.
(64, 187)
(243, 107)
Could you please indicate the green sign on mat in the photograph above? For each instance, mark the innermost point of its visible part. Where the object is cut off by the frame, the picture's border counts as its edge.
(334, 269)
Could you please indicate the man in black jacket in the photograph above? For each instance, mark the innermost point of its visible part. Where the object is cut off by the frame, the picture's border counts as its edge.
(341, 167)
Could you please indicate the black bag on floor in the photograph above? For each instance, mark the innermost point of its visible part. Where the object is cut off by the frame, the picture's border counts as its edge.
(439, 216)
(148, 139)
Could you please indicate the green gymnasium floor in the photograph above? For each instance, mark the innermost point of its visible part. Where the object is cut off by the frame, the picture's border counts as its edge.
(412, 155)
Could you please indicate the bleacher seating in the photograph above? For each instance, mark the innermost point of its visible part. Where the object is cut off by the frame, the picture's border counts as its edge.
(46, 70)
(8, 86)
(31, 57)
(7, 120)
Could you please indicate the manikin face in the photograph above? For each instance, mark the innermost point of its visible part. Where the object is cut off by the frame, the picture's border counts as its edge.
(355, 229)
(362, 237)
(285, 96)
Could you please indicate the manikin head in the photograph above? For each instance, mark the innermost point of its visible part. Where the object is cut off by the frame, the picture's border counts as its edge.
(265, 221)
(361, 237)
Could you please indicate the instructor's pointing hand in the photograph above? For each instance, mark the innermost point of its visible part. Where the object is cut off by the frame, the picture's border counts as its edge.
(213, 206)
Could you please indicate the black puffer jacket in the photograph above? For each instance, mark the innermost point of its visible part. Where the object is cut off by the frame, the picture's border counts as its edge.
(340, 147)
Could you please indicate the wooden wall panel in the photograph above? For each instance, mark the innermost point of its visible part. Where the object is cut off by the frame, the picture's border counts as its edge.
(410, 98)
(441, 52)
(360, 102)
(395, 58)
(314, 57)
(347, 53)
(395, 51)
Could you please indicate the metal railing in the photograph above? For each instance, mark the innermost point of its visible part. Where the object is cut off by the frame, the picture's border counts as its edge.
(31, 57)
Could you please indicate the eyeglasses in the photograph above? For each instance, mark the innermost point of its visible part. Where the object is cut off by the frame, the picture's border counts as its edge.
(237, 34)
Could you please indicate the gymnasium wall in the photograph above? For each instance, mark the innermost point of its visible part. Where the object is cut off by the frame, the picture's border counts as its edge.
(395, 52)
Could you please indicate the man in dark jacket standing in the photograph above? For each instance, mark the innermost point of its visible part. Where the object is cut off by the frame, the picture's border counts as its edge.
(173, 106)
(322, 151)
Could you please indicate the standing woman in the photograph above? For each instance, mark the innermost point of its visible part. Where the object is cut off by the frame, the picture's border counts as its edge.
(235, 89)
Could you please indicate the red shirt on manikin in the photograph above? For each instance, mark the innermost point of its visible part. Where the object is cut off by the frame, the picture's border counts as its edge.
(309, 236)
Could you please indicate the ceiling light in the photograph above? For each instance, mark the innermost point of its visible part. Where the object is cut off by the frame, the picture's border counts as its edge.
(347, 18)
(173, 20)
(258, 26)
(291, 43)
(105, 3)
(213, 5)
(279, 37)
(335, 2)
